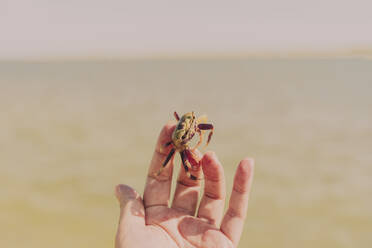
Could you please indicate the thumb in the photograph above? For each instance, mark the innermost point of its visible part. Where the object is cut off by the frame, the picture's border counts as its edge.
(132, 212)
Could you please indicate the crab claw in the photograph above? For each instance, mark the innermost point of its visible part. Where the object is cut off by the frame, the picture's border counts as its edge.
(207, 126)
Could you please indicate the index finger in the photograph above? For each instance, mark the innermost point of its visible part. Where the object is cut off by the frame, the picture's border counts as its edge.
(157, 189)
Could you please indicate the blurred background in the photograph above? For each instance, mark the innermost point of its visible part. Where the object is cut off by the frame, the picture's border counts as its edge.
(86, 86)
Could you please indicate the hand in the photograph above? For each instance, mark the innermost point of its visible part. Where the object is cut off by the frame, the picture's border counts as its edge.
(152, 223)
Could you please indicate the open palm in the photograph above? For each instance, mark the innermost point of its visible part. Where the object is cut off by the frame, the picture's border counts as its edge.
(152, 223)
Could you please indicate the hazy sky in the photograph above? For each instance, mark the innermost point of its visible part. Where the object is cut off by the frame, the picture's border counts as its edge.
(47, 28)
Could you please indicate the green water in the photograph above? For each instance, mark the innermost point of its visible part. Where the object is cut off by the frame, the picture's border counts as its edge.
(71, 131)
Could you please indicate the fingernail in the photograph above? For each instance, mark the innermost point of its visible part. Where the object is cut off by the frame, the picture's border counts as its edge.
(117, 191)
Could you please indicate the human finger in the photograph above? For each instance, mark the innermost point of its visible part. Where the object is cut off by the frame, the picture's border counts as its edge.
(132, 212)
(158, 186)
(233, 221)
(213, 200)
(187, 190)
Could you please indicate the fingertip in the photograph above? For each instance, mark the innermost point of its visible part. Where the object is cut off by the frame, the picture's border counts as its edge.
(118, 190)
(244, 175)
(165, 134)
(246, 167)
(124, 193)
(168, 127)
(212, 167)
(249, 160)
(209, 157)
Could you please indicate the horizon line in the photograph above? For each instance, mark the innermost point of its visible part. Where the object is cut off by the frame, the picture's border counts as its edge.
(362, 53)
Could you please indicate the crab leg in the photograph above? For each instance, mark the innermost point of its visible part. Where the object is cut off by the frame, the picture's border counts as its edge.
(184, 163)
(206, 126)
(169, 157)
(209, 137)
(200, 139)
(167, 144)
(176, 116)
(166, 161)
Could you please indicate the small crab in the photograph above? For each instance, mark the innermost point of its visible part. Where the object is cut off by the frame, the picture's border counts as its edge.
(185, 130)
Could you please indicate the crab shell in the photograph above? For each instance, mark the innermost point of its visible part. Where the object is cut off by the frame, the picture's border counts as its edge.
(184, 131)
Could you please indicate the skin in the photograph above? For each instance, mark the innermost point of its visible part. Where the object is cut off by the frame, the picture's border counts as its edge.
(152, 221)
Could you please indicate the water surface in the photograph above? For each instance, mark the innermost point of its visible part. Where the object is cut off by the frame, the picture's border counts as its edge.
(71, 131)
